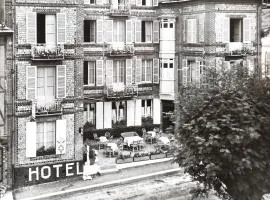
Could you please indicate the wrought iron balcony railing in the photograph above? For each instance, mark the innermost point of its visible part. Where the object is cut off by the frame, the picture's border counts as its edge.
(47, 107)
(47, 52)
(239, 48)
(120, 49)
(119, 10)
(121, 91)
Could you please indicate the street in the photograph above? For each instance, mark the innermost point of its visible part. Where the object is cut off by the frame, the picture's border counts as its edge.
(171, 187)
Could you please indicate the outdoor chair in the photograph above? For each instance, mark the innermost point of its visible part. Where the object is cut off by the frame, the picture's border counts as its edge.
(142, 145)
(96, 138)
(107, 135)
(134, 146)
(109, 152)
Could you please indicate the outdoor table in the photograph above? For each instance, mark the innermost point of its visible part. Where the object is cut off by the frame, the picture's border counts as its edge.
(164, 140)
(103, 139)
(128, 134)
(151, 133)
(113, 146)
(131, 139)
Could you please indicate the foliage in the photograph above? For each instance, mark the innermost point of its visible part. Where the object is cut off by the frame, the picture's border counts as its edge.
(147, 120)
(224, 136)
(123, 156)
(141, 154)
(42, 151)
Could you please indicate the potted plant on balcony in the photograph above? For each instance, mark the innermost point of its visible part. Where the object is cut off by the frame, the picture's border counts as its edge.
(42, 151)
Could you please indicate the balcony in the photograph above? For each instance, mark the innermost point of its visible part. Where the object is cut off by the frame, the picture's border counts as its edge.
(47, 52)
(238, 49)
(120, 49)
(119, 10)
(121, 91)
(53, 107)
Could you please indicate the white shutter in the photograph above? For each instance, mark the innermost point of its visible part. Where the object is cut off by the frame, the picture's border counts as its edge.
(185, 32)
(31, 83)
(155, 2)
(138, 112)
(108, 117)
(201, 29)
(226, 30)
(30, 143)
(100, 31)
(109, 72)
(61, 138)
(129, 31)
(138, 75)
(138, 31)
(194, 30)
(219, 26)
(156, 111)
(130, 113)
(61, 81)
(128, 71)
(109, 30)
(99, 74)
(31, 28)
(156, 31)
(189, 30)
(155, 70)
(247, 30)
(86, 1)
(138, 2)
(99, 2)
(99, 115)
(184, 72)
(197, 74)
(61, 28)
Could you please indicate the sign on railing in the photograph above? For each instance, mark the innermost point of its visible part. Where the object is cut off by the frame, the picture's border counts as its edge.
(45, 51)
(118, 91)
(47, 107)
(239, 48)
(121, 49)
(120, 10)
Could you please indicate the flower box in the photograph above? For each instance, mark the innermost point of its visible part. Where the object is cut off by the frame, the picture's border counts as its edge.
(126, 160)
(141, 158)
(157, 156)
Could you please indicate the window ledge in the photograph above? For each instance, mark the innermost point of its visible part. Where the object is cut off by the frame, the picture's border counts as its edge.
(45, 157)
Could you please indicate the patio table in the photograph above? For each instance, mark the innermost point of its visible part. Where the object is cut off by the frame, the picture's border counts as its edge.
(151, 133)
(113, 146)
(131, 139)
(103, 139)
(164, 140)
(128, 134)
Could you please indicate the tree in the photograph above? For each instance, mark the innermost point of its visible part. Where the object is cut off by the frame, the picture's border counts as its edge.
(225, 136)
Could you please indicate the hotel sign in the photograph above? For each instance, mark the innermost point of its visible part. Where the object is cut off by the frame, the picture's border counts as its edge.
(32, 175)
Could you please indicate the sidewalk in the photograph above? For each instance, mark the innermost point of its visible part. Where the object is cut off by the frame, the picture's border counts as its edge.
(127, 173)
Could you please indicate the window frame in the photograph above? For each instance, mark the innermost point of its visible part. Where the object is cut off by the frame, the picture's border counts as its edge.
(119, 67)
(232, 33)
(88, 73)
(146, 64)
(144, 107)
(143, 31)
(87, 110)
(92, 31)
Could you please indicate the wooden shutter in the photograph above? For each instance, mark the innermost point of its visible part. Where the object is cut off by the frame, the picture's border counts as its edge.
(138, 75)
(109, 72)
(155, 2)
(30, 140)
(108, 118)
(184, 72)
(138, 2)
(31, 28)
(138, 31)
(247, 30)
(99, 115)
(138, 112)
(219, 23)
(86, 1)
(185, 26)
(109, 30)
(99, 68)
(130, 113)
(31, 83)
(61, 129)
(100, 31)
(194, 30)
(201, 29)
(226, 30)
(61, 81)
(197, 74)
(156, 31)
(156, 111)
(189, 30)
(128, 71)
(129, 31)
(61, 28)
(155, 70)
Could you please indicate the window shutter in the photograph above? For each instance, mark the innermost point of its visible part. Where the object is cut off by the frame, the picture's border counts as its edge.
(184, 72)
(108, 118)
(247, 30)
(61, 28)
(189, 30)
(61, 81)
(128, 71)
(99, 31)
(219, 26)
(99, 72)
(156, 31)
(31, 28)
(86, 1)
(197, 74)
(201, 29)
(109, 31)
(99, 115)
(130, 113)
(138, 31)
(138, 112)
(129, 31)
(138, 77)
(31, 83)
(99, 2)
(185, 27)
(156, 111)
(109, 72)
(61, 127)
(155, 2)
(226, 30)
(155, 70)
(194, 30)
(31, 131)
(138, 2)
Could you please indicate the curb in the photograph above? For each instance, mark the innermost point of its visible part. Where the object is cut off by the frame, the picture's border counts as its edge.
(107, 184)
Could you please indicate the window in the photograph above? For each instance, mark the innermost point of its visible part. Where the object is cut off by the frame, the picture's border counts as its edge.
(45, 85)
(236, 30)
(89, 73)
(46, 26)
(146, 108)
(191, 71)
(119, 31)
(45, 138)
(147, 2)
(118, 111)
(89, 31)
(191, 30)
(90, 113)
(147, 70)
(119, 71)
(146, 31)
(92, 1)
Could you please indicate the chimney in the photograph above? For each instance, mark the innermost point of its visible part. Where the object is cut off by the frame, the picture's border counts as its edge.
(2, 11)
